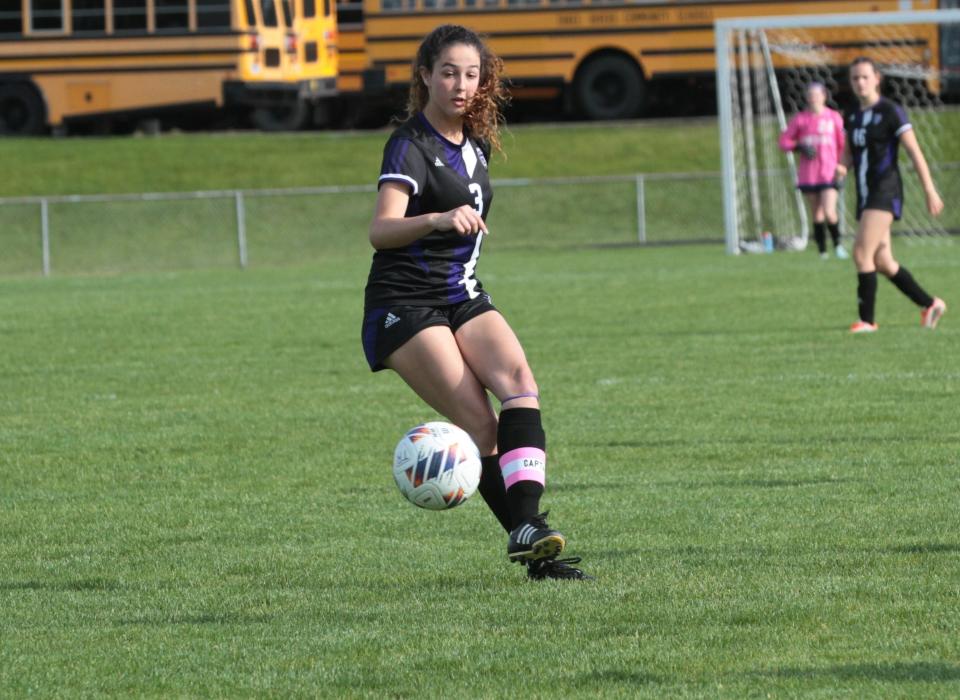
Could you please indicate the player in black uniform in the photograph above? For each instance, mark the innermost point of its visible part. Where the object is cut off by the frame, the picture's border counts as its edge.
(426, 315)
(874, 133)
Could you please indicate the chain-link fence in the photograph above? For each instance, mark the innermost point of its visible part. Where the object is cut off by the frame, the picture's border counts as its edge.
(174, 231)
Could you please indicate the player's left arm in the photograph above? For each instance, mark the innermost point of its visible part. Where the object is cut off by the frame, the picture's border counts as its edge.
(909, 141)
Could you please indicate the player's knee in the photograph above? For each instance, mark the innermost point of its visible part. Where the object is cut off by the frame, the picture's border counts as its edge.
(520, 380)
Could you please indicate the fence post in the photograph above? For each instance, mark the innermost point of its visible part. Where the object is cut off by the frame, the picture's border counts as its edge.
(241, 228)
(641, 210)
(45, 236)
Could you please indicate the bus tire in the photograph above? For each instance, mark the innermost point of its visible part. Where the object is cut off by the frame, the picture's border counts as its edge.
(609, 86)
(287, 117)
(21, 110)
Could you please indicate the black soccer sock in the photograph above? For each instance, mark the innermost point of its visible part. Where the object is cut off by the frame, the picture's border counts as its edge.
(820, 236)
(906, 284)
(834, 230)
(522, 446)
(493, 491)
(866, 295)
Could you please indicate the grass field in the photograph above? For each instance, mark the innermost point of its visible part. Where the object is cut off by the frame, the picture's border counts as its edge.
(196, 499)
(195, 487)
(251, 160)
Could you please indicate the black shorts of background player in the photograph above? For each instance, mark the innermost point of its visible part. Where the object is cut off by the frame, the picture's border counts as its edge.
(874, 132)
(426, 315)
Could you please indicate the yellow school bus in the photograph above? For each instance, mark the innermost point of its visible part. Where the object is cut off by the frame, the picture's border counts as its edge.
(351, 46)
(62, 60)
(603, 58)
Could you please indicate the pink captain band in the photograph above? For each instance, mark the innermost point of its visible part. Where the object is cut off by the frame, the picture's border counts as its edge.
(523, 464)
(537, 475)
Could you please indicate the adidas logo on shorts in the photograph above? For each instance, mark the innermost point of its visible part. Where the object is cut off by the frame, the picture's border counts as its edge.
(390, 320)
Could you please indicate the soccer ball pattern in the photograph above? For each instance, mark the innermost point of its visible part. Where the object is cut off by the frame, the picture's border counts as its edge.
(436, 466)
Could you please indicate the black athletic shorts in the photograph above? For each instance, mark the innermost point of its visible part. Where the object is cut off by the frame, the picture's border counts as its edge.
(819, 187)
(886, 196)
(385, 329)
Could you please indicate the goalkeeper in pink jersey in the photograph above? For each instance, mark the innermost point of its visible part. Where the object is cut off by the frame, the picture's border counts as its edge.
(816, 134)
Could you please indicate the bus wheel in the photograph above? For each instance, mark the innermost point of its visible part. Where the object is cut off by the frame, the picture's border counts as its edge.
(21, 110)
(609, 86)
(288, 117)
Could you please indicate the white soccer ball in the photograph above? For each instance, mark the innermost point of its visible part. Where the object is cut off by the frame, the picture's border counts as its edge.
(436, 465)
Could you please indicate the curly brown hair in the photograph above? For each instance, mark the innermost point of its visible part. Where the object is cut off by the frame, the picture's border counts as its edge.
(483, 118)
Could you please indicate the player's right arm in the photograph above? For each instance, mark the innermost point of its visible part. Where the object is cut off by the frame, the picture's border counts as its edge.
(788, 139)
(391, 229)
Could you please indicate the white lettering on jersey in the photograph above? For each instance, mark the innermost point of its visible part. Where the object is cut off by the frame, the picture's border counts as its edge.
(468, 281)
(860, 138)
(477, 196)
(469, 157)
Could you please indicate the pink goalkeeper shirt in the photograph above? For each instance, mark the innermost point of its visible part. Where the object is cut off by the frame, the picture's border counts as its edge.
(824, 132)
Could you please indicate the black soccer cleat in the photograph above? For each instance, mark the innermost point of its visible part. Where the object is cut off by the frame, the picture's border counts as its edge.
(533, 539)
(540, 569)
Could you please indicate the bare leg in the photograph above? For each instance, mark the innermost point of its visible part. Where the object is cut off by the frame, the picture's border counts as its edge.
(431, 364)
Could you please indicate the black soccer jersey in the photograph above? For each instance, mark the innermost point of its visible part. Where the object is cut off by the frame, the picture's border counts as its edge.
(438, 268)
(874, 136)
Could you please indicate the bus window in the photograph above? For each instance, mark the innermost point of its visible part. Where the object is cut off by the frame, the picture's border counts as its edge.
(327, 8)
(88, 16)
(250, 14)
(287, 14)
(170, 15)
(212, 14)
(46, 15)
(309, 8)
(129, 16)
(269, 10)
(11, 19)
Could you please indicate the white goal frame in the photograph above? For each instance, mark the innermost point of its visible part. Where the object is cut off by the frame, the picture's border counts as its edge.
(724, 28)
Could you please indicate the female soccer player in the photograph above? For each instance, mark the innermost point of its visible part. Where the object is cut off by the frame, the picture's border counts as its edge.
(817, 135)
(426, 315)
(875, 131)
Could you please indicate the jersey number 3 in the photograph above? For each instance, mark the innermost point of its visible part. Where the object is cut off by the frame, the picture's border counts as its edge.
(477, 196)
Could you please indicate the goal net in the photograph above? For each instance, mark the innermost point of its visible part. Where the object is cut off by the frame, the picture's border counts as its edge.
(764, 66)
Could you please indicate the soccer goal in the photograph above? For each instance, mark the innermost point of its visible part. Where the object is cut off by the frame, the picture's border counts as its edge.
(764, 65)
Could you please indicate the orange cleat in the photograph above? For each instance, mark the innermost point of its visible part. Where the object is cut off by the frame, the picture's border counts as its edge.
(930, 316)
(864, 327)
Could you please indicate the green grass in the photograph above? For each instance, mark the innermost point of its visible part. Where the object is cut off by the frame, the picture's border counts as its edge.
(251, 160)
(196, 499)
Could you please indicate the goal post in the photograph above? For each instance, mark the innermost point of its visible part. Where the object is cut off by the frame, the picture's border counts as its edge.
(764, 65)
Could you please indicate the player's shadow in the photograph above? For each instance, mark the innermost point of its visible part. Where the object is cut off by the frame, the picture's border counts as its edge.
(87, 584)
(896, 672)
(224, 618)
(614, 486)
(753, 483)
(596, 679)
(761, 483)
(925, 548)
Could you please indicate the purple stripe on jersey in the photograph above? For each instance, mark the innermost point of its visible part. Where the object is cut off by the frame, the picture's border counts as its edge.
(901, 114)
(393, 161)
(897, 208)
(888, 157)
(416, 252)
(452, 153)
